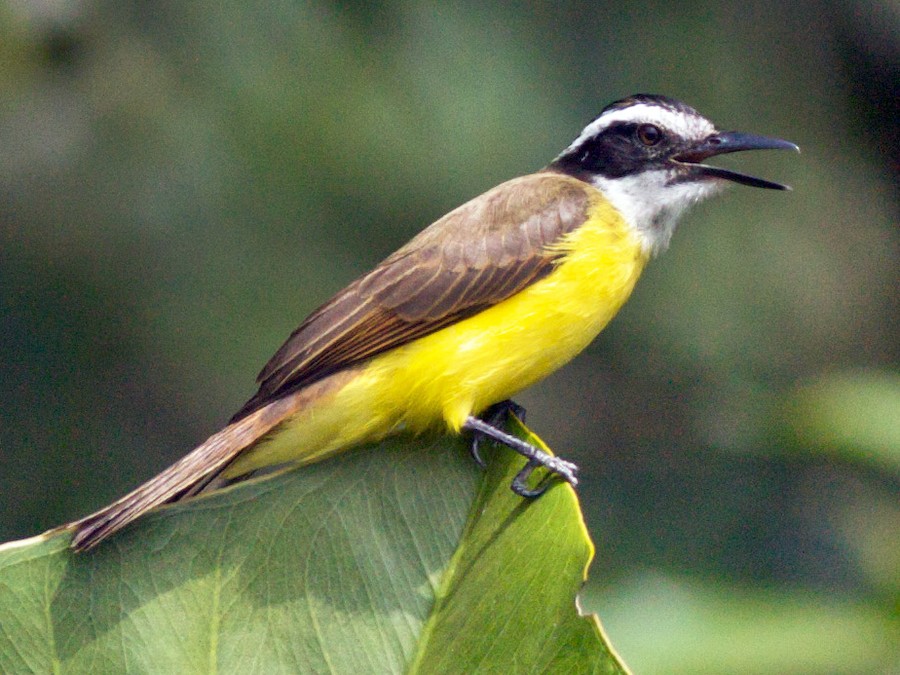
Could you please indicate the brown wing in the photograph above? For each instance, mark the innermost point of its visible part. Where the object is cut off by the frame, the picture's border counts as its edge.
(474, 257)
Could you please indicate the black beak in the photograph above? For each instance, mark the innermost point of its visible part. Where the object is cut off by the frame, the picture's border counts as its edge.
(731, 141)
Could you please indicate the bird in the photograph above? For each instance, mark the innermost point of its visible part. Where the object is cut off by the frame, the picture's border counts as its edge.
(484, 302)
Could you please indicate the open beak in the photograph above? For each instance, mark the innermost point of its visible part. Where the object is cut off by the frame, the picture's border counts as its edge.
(731, 141)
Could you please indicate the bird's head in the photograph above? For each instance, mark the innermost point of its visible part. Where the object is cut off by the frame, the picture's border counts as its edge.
(647, 154)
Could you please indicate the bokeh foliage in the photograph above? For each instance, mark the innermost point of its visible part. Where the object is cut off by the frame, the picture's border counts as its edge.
(183, 182)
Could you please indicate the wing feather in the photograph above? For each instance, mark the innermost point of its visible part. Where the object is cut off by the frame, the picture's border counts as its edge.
(474, 257)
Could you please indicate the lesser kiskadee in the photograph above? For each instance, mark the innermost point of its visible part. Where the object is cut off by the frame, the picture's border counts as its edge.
(486, 301)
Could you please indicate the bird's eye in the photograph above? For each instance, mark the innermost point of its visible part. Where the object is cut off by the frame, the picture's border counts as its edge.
(649, 134)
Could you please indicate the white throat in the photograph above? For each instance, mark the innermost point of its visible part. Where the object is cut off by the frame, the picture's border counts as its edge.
(651, 205)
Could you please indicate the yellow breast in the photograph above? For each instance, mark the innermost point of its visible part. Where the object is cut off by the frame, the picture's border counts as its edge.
(495, 354)
(462, 369)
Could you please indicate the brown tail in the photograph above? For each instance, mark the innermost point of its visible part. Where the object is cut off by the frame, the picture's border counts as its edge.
(186, 477)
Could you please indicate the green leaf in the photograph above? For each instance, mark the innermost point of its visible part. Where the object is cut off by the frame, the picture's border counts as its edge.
(394, 558)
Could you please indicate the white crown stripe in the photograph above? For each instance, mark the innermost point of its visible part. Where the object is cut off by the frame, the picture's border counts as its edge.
(679, 122)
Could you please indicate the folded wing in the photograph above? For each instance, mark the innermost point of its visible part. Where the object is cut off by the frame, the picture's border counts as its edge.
(474, 257)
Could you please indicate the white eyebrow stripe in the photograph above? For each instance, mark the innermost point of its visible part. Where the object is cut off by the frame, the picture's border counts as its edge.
(683, 124)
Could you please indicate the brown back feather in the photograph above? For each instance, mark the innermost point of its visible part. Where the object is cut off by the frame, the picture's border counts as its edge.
(474, 257)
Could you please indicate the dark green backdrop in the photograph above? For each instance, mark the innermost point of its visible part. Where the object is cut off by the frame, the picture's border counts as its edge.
(180, 183)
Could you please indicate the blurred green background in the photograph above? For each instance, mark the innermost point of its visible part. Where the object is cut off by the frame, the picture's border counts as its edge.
(182, 182)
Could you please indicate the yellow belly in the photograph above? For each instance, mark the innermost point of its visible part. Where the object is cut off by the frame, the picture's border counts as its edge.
(464, 368)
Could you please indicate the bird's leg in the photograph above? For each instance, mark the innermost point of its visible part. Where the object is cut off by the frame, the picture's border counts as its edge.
(495, 416)
(536, 457)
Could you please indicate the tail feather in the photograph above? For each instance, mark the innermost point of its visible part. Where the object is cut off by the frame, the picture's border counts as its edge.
(184, 478)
